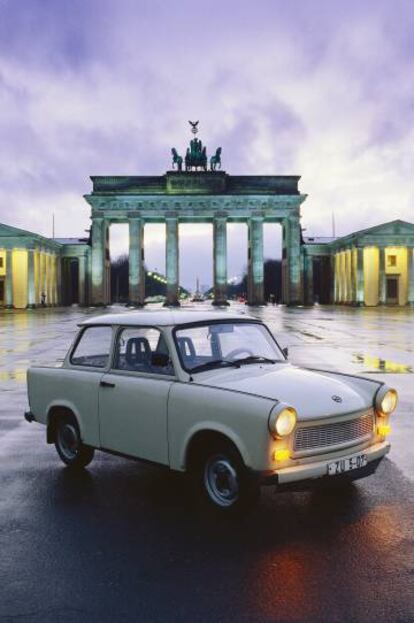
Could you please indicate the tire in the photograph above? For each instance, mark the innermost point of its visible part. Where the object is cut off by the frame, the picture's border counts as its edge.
(69, 445)
(223, 482)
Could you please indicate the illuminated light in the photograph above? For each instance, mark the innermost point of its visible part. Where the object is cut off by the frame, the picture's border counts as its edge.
(281, 455)
(383, 429)
(285, 422)
(389, 402)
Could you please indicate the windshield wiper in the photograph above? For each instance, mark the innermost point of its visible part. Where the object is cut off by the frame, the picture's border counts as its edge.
(254, 359)
(213, 364)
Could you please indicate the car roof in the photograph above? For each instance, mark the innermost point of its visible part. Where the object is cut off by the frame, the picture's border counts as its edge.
(163, 317)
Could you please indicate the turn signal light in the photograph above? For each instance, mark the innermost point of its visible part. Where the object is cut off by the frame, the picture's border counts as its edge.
(281, 455)
(383, 429)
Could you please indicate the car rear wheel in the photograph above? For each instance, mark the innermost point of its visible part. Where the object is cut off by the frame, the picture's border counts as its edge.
(223, 480)
(69, 445)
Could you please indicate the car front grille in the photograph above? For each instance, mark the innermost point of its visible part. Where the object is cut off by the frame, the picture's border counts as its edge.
(353, 430)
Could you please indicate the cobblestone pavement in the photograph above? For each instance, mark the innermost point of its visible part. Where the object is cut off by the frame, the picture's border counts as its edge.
(125, 542)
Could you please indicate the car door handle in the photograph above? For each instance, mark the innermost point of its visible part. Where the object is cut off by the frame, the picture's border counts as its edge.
(106, 384)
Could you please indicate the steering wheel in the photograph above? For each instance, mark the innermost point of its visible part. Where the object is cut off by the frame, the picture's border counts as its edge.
(239, 351)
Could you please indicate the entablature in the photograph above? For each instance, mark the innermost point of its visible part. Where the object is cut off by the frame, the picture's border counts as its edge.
(196, 183)
(195, 209)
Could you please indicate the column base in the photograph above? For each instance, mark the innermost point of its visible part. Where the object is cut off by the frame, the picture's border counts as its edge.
(135, 304)
(222, 303)
(12, 306)
(31, 306)
(256, 303)
(171, 304)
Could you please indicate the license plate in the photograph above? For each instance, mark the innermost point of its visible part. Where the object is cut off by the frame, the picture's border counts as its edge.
(346, 465)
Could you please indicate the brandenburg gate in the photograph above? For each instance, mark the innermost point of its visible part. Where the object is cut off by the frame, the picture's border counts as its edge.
(196, 195)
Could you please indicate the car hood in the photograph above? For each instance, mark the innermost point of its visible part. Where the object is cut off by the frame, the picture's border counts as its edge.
(310, 393)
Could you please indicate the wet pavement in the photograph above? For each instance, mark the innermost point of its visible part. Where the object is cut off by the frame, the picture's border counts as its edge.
(126, 542)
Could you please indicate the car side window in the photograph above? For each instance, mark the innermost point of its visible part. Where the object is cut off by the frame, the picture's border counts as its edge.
(142, 349)
(93, 348)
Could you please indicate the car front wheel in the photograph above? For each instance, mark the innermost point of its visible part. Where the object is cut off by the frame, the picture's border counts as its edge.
(69, 445)
(224, 482)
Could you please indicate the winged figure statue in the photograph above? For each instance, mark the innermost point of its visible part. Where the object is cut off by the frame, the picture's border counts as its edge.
(194, 128)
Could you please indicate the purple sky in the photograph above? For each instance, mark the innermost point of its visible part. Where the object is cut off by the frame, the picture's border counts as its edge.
(323, 89)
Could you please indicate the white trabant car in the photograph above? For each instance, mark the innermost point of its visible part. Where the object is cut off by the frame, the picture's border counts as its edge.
(211, 393)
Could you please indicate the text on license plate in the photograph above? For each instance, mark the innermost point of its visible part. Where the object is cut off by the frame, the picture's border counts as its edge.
(346, 465)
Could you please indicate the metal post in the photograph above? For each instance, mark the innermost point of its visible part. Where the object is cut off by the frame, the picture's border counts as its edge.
(220, 260)
(171, 261)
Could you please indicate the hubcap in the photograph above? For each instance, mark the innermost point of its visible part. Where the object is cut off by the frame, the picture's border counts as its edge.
(221, 481)
(68, 441)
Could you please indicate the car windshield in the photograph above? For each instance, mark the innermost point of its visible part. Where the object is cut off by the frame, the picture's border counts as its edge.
(214, 344)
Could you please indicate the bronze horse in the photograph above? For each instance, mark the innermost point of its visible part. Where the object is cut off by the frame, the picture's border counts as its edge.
(215, 161)
(176, 159)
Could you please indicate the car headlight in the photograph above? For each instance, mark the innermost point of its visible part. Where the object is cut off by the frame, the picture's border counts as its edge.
(282, 421)
(386, 401)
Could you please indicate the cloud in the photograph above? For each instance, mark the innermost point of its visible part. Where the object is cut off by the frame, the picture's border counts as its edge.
(318, 89)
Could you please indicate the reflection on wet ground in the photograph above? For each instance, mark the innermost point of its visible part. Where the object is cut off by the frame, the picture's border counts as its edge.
(125, 541)
(376, 364)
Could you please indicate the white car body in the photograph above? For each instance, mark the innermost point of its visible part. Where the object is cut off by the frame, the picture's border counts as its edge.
(157, 417)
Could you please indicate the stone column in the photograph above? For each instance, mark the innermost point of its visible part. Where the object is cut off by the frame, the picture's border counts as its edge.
(31, 291)
(81, 280)
(44, 276)
(308, 278)
(333, 279)
(220, 260)
(295, 287)
(9, 279)
(382, 278)
(171, 261)
(98, 261)
(255, 277)
(410, 251)
(360, 277)
(136, 274)
(59, 296)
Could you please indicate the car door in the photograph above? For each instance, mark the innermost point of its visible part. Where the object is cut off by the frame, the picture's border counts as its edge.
(79, 385)
(133, 396)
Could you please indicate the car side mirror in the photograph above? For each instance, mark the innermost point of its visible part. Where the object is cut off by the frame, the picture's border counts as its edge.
(285, 351)
(160, 360)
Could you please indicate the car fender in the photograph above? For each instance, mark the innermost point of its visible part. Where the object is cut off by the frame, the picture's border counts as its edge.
(64, 404)
(242, 418)
(213, 427)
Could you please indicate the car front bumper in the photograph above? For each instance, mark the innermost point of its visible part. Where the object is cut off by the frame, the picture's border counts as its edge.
(306, 475)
